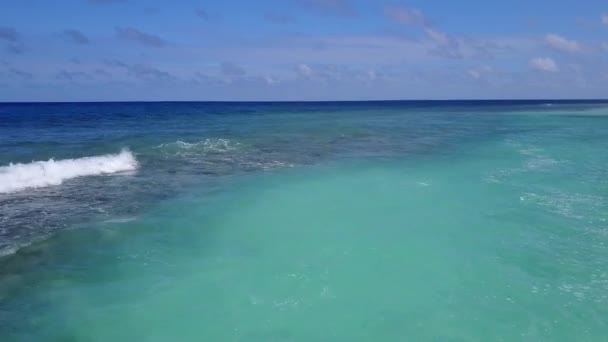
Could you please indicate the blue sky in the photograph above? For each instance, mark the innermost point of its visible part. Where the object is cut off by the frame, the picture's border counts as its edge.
(98, 50)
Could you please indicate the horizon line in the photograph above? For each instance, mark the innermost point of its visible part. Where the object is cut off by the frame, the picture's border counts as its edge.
(310, 101)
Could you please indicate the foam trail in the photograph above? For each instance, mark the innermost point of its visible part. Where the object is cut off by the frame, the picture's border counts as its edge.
(16, 177)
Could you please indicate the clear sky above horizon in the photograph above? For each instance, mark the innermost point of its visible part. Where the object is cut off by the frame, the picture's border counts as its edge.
(98, 50)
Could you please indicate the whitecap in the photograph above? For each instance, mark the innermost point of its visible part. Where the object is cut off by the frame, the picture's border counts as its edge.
(17, 177)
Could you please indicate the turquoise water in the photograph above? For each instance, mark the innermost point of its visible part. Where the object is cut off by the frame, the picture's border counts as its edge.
(295, 222)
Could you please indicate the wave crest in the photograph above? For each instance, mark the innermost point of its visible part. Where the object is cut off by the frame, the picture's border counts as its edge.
(17, 177)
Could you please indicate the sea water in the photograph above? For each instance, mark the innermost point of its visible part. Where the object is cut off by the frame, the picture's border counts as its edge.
(385, 221)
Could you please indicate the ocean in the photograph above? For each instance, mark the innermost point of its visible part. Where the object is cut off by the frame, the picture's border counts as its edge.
(336, 221)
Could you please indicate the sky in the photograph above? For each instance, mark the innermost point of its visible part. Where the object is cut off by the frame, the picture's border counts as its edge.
(290, 50)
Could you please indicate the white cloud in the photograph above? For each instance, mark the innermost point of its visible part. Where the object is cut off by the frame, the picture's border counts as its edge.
(560, 43)
(544, 64)
(270, 80)
(304, 70)
(475, 74)
(446, 45)
(438, 37)
(368, 76)
(605, 19)
(478, 73)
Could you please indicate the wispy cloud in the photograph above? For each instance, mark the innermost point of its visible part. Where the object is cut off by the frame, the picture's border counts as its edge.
(73, 76)
(106, 1)
(115, 63)
(201, 13)
(444, 44)
(407, 51)
(544, 64)
(561, 43)
(335, 7)
(278, 18)
(141, 71)
(331, 73)
(405, 15)
(604, 19)
(486, 48)
(9, 34)
(232, 69)
(22, 74)
(200, 77)
(135, 35)
(76, 37)
(102, 72)
(480, 72)
(16, 49)
(304, 70)
(234, 82)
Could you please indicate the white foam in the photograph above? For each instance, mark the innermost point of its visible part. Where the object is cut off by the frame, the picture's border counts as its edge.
(207, 145)
(17, 177)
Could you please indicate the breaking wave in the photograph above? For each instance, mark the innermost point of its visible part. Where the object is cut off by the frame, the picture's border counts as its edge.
(17, 177)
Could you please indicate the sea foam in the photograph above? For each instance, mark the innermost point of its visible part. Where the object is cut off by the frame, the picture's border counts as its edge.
(17, 177)
(204, 146)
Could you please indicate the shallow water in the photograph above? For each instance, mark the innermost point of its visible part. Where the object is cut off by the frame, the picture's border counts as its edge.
(299, 222)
